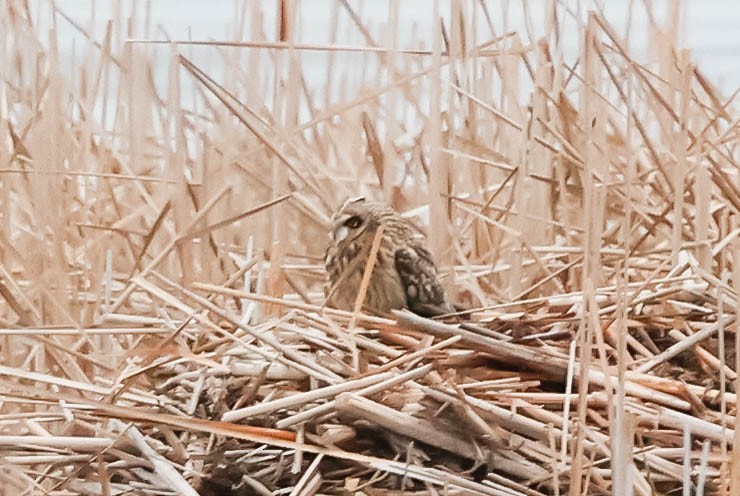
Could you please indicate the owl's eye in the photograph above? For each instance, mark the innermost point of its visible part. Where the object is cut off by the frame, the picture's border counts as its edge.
(353, 222)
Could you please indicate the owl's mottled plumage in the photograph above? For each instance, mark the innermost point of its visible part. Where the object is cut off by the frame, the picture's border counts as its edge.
(404, 275)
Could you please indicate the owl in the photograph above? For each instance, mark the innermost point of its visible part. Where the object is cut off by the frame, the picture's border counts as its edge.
(404, 274)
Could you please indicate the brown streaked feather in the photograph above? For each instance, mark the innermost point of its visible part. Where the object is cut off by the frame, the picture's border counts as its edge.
(425, 295)
(404, 275)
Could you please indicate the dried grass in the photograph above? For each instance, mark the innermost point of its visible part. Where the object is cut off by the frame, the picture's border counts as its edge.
(163, 328)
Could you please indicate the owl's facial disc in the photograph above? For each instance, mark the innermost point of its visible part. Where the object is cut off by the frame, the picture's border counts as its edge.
(340, 234)
(348, 225)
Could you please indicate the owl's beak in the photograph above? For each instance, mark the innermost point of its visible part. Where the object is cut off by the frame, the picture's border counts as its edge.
(340, 233)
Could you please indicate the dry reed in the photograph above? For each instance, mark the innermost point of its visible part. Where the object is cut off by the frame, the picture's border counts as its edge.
(163, 328)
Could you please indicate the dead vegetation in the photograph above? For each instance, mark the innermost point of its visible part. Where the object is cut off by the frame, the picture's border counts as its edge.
(161, 259)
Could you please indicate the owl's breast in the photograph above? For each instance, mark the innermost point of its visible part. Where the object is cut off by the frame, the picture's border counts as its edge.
(346, 267)
(385, 291)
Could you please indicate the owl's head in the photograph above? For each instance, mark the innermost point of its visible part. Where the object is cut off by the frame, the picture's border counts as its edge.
(355, 217)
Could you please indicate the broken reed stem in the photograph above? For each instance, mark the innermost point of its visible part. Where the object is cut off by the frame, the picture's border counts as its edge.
(366, 274)
(585, 215)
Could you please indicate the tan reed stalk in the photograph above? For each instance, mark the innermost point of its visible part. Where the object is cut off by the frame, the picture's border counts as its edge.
(165, 208)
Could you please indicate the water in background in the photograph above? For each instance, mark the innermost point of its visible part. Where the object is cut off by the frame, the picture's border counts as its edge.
(709, 30)
(710, 26)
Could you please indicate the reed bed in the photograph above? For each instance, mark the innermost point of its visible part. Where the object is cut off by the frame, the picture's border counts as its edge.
(165, 209)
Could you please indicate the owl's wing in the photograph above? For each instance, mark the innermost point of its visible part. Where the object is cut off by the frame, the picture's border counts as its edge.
(425, 295)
